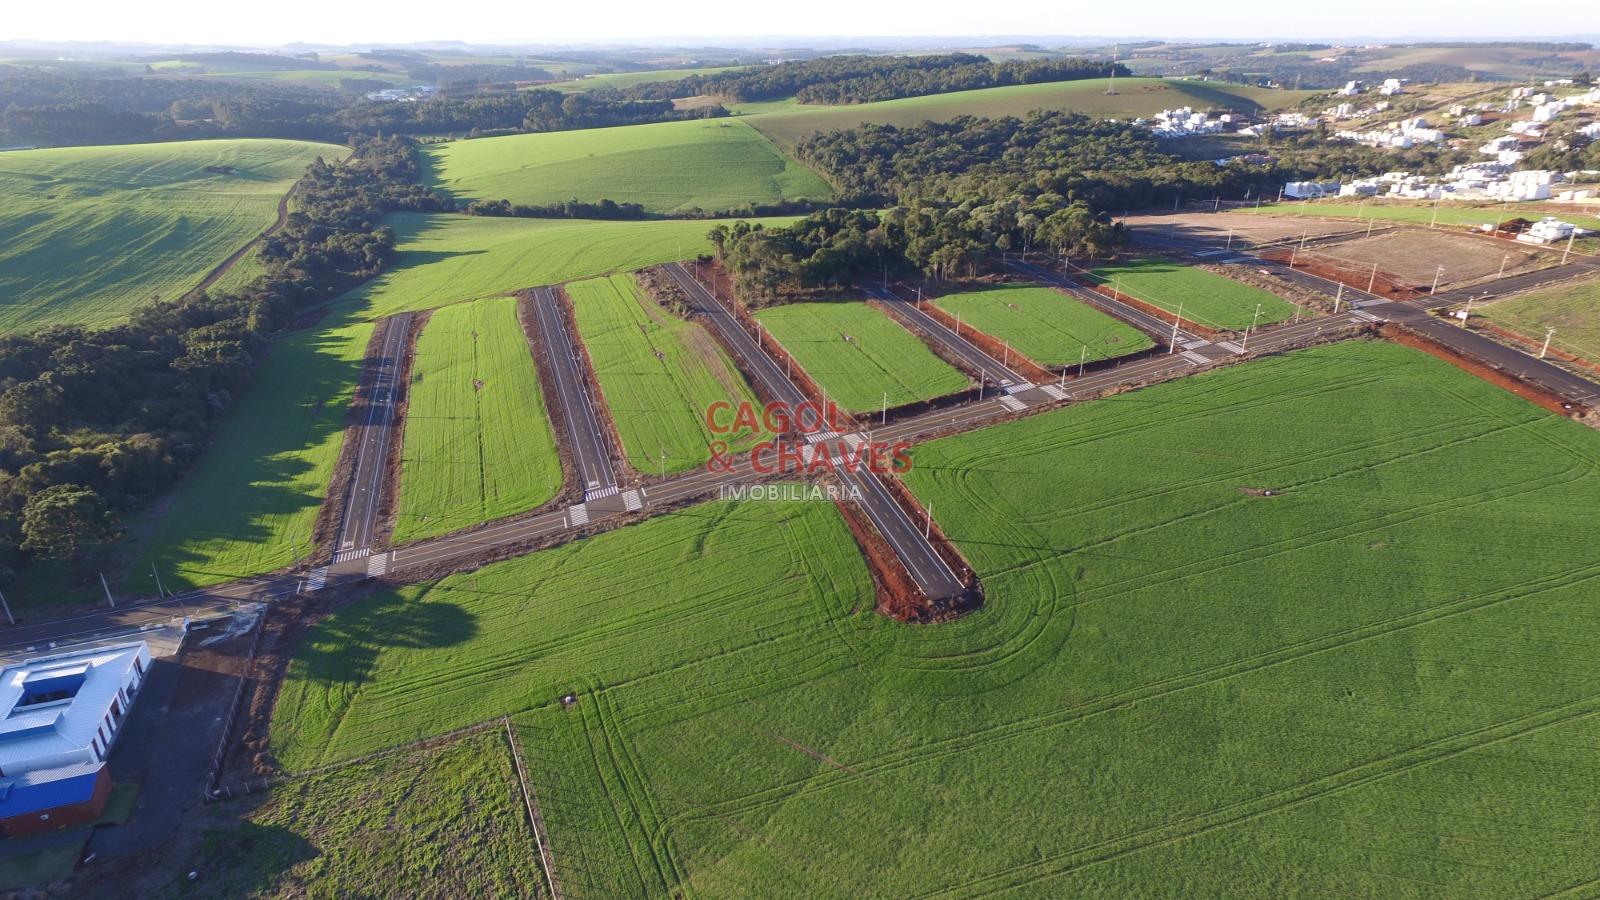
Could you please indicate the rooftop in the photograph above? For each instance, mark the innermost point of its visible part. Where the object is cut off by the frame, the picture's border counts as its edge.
(52, 707)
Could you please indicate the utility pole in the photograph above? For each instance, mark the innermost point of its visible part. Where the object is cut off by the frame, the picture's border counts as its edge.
(1006, 361)
(981, 381)
(1373, 281)
(1229, 245)
(1245, 345)
(958, 325)
(1112, 87)
(109, 599)
(1083, 357)
(1567, 252)
(1434, 220)
(885, 419)
(1503, 260)
(1542, 351)
(7, 607)
(160, 591)
(1437, 274)
(1338, 297)
(927, 523)
(1176, 321)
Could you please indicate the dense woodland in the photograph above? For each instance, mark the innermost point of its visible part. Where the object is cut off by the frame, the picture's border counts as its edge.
(960, 193)
(56, 110)
(94, 422)
(862, 79)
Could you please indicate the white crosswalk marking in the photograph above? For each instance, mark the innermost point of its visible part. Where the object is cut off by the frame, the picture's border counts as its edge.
(1055, 392)
(348, 555)
(1195, 358)
(378, 565)
(1195, 344)
(632, 502)
(816, 437)
(1231, 347)
(600, 493)
(1019, 387)
(578, 515)
(1012, 403)
(318, 579)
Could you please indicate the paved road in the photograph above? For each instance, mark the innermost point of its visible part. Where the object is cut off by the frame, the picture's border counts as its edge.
(591, 451)
(927, 568)
(908, 312)
(442, 552)
(1414, 314)
(375, 404)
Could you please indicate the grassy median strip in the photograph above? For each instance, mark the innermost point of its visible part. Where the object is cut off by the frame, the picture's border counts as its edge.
(1045, 325)
(478, 443)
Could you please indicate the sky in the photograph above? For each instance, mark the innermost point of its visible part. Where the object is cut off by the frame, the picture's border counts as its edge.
(658, 21)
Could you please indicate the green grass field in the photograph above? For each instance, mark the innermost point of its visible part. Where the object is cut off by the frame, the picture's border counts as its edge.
(669, 167)
(859, 355)
(1375, 682)
(478, 444)
(446, 821)
(658, 374)
(89, 233)
(1045, 325)
(1391, 211)
(786, 121)
(1573, 310)
(1209, 299)
(253, 498)
(448, 258)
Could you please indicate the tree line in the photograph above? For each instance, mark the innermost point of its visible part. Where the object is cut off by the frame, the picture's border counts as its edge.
(97, 421)
(863, 78)
(60, 110)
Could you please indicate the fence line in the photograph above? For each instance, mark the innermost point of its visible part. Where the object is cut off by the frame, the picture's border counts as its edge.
(245, 677)
(535, 818)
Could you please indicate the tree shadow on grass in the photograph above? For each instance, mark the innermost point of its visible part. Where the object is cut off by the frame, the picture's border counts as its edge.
(344, 648)
(246, 860)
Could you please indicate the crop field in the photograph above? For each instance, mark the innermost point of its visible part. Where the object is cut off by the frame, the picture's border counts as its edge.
(1573, 310)
(446, 258)
(478, 444)
(668, 167)
(89, 233)
(447, 821)
(1045, 325)
(1204, 297)
(1424, 214)
(787, 121)
(860, 356)
(658, 374)
(252, 500)
(1179, 684)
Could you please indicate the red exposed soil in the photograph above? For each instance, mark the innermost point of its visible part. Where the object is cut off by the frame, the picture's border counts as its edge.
(1158, 312)
(987, 343)
(624, 471)
(570, 490)
(1494, 376)
(1381, 286)
(1533, 344)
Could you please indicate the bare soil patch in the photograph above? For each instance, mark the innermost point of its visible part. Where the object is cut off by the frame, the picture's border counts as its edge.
(1247, 230)
(1409, 259)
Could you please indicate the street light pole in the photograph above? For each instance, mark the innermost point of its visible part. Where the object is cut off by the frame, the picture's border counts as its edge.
(1373, 281)
(1546, 348)
(1570, 238)
(1437, 274)
(7, 607)
(1176, 321)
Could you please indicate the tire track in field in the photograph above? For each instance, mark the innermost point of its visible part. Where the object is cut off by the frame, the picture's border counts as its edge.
(1288, 653)
(1245, 811)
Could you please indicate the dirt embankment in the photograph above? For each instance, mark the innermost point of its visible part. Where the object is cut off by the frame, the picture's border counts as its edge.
(1490, 374)
(986, 342)
(325, 533)
(1534, 345)
(1272, 284)
(1171, 319)
(597, 397)
(571, 491)
(389, 498)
